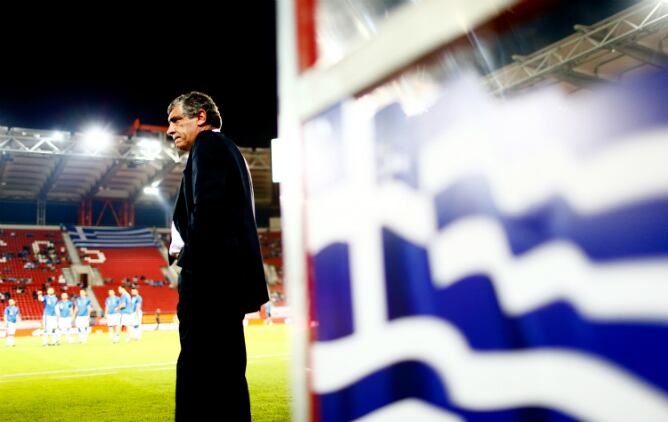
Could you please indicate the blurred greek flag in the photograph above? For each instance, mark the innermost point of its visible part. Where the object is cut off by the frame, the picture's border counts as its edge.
(488, 260)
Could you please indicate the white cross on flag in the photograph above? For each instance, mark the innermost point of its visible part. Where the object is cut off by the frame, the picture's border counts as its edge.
(489, 259)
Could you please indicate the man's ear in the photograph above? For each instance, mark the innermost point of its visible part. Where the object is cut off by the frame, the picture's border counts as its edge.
(201, 117)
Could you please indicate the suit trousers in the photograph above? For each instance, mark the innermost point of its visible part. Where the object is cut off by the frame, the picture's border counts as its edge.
(211, 368)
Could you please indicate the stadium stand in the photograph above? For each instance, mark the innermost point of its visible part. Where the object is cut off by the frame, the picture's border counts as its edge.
(31, 256)
(272, 253)
(30, 260)
(29, 307)
(119, 264)
(138, 267)
(131, 266)
(126, 256)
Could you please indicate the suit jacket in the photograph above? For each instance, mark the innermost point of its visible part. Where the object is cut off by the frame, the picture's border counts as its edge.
(215, 218)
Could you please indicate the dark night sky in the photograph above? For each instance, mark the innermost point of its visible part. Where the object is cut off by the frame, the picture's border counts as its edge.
(113, 65)
(126, 69)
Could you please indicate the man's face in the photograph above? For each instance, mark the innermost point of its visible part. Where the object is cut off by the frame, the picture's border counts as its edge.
(182, 129)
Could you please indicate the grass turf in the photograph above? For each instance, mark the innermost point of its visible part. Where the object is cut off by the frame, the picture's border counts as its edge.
(100, 381)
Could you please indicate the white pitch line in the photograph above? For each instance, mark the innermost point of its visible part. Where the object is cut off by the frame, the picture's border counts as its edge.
(251, 358)
(166, 368)
(65, 371)
(106, 368)
(99, 374)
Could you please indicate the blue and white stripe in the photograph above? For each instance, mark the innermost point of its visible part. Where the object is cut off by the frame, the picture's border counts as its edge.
(465, 270)
(91, 237)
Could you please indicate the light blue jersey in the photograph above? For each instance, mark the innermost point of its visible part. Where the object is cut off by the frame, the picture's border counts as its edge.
(11, 312)
(65, 308)
(82, 306)
(50, 302)
(136, 302)
(112, 303)
(126, 300)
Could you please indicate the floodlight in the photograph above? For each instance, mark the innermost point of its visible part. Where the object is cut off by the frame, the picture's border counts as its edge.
(150, 190)
(96, 138)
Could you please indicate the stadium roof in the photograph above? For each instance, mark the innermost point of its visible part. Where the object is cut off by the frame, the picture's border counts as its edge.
(68, 167)
(627, 41)
(631, 41)
(64, 166)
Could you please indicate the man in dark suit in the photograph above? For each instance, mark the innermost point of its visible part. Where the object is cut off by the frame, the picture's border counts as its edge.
(222, 276)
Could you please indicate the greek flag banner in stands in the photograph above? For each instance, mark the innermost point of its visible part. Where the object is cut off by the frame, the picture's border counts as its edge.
(491, 259)
(93, 237)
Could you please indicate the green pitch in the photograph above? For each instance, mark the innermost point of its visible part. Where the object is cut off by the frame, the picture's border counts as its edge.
(100, 381)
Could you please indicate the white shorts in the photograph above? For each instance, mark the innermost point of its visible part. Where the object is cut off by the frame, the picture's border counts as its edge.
(82, 322)
(138, 318)
(11, 328)
(128, 320)
(65, 323)
(50, 323)
(113, 320)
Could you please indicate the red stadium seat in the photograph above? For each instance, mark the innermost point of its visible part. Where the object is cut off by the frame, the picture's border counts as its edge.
(13, 269)
(133, 263)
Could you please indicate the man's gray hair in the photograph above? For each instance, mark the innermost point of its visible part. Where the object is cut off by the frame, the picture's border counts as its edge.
(193, 102)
